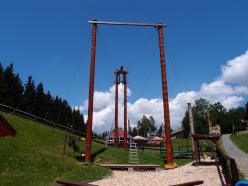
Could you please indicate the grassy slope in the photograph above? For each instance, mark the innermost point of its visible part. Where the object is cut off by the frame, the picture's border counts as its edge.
(241, 141)
(33, 156)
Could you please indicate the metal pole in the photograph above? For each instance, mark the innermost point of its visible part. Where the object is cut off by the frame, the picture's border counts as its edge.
(125, 108)
(91, 96)
(169, 158)
(116, 107)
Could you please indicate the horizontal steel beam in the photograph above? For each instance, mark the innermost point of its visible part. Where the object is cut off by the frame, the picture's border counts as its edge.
(127, 24)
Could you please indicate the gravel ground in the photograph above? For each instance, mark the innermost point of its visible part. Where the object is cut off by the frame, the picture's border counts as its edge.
(182, 174)
(240, 157)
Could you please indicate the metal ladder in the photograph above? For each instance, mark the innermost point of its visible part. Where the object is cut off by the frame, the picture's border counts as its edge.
(133, 154)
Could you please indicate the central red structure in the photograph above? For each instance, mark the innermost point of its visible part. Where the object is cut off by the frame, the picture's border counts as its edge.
(122, 72)
(169, 159)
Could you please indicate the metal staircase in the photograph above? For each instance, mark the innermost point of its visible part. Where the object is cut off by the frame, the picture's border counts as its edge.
(133, 154)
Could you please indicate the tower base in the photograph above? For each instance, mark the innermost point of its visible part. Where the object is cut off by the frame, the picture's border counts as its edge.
(170, 165)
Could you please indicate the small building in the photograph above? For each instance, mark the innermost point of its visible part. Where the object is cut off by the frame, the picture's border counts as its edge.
(110, 137)
(177, 133)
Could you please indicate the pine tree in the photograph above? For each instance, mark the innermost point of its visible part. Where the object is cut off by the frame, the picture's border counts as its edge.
(29, 96)
(41, 104)
(2, 85)
(49, 103)
(33, 100)
(14, 88)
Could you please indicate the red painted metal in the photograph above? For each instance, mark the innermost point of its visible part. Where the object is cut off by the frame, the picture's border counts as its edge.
(125, 108)
(116, 106)
(91, 96)
(169, 157)
(5, 128)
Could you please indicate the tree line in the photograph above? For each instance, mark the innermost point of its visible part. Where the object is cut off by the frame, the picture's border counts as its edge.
(32, 99)
(145, 126)
(228, 120)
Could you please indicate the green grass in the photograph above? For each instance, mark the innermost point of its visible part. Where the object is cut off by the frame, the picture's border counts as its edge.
(34, 156)
(240, 141)
(118, 155)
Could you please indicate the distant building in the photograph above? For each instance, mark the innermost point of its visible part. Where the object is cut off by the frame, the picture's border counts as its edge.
(215, 129)
(110, 137)
(177, 133)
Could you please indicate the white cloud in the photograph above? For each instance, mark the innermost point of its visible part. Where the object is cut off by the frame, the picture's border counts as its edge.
(236, 70)
(229, 95)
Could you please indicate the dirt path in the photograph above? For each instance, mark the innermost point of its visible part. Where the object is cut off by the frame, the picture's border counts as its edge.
(240, 157)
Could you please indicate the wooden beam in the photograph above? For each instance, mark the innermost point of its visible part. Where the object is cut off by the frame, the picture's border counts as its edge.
(73, 183)
(126, 24)
(190, 183)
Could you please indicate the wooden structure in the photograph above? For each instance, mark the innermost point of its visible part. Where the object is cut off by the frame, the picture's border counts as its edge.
(131, 167)
(169, 159)
(229, 168)
(122, 72)
(192, 183)
(192, 131)
(117, 81)
(197, 137)
(5, 128)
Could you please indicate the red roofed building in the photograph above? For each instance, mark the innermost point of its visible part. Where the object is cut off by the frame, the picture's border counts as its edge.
(5, 128)
(110, 137)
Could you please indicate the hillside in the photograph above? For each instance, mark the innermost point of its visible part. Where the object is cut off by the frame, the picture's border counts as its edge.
(34, 156)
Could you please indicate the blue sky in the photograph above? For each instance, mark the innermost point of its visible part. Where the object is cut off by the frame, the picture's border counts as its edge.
(50, 40)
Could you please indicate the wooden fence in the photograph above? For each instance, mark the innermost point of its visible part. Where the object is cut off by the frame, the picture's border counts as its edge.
(229, 168)
(23, 114)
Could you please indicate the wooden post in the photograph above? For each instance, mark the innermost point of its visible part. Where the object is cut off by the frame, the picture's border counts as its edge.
(169, 157)
(125, 107)
(116, 107)
(209, 123)
(65, 143)
(91, 97)
(192, 131)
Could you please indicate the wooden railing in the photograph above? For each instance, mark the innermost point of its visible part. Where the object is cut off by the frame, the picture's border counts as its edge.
(23, 114)
(229, 168)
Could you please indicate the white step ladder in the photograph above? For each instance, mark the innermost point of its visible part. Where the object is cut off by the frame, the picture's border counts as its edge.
(133, 154)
